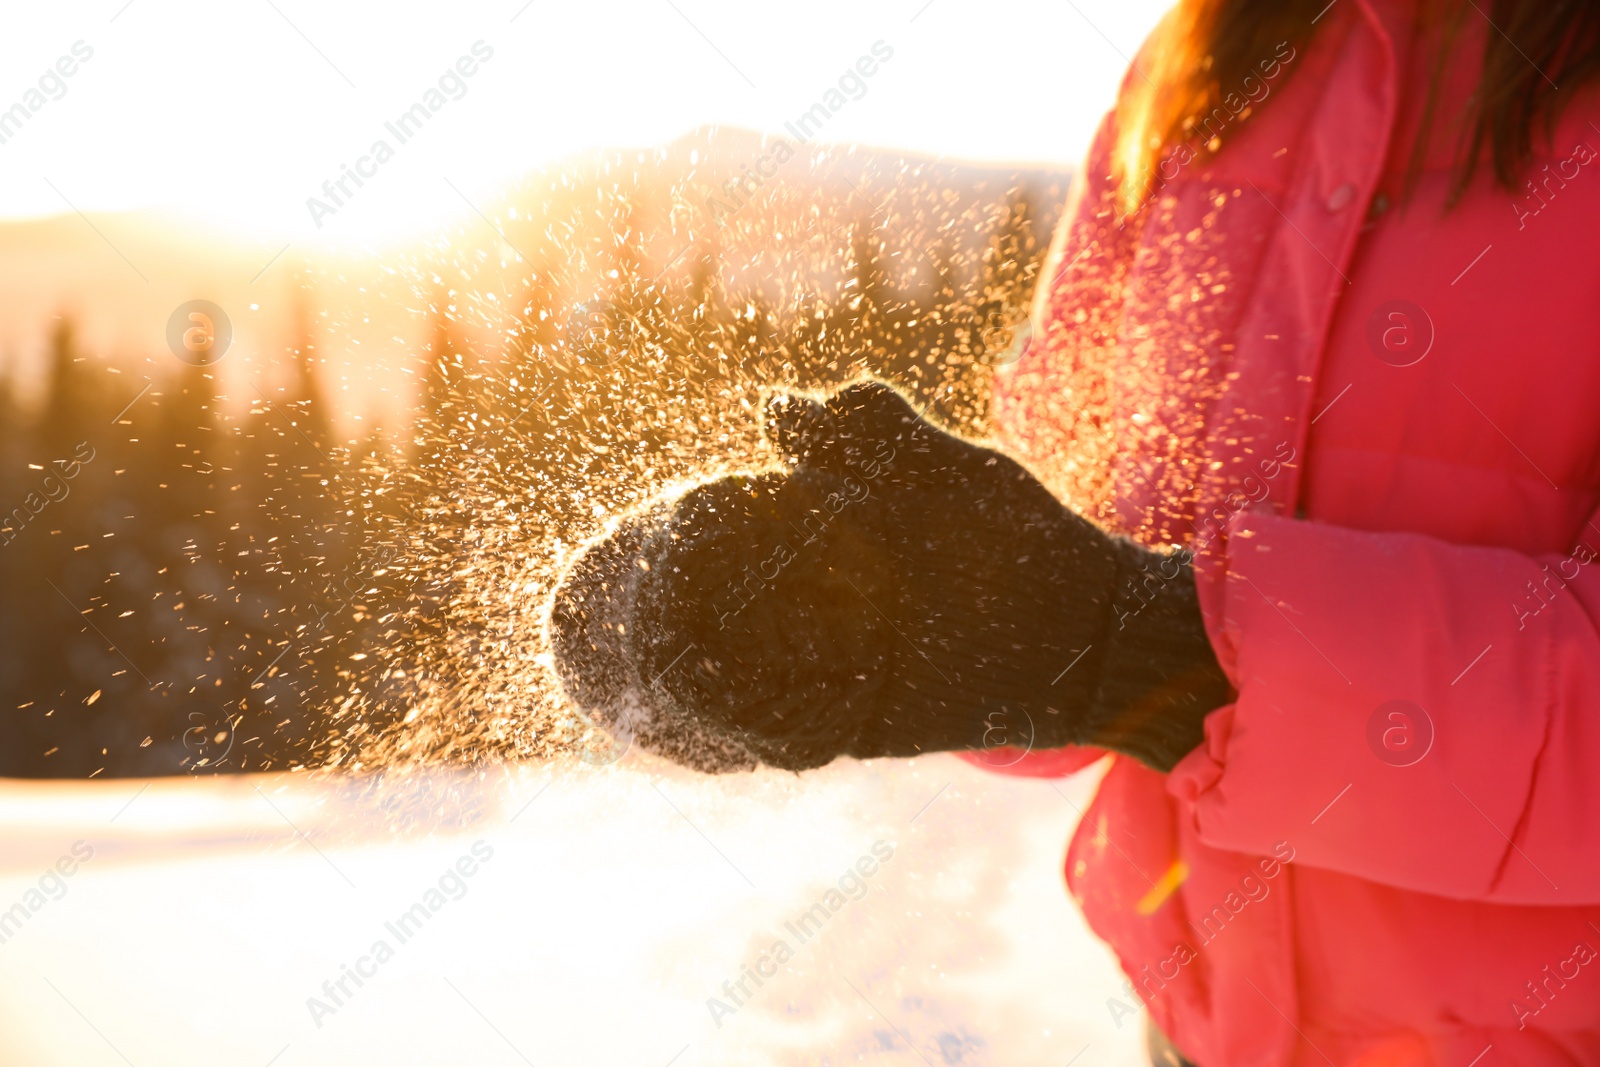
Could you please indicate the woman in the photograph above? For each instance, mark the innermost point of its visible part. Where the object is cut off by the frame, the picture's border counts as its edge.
(1322, 318)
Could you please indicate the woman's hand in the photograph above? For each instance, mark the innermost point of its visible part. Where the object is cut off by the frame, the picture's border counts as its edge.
(893, 590)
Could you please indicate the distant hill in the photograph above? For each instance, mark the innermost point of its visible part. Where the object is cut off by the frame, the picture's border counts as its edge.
(119, 277)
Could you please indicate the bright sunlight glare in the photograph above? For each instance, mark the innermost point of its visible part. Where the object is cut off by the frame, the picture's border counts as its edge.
(238, 113)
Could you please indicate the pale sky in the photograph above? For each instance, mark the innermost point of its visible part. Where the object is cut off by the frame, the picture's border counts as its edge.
(239, 111)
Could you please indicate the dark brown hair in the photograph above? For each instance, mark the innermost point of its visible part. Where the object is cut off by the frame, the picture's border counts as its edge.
(1203, 46)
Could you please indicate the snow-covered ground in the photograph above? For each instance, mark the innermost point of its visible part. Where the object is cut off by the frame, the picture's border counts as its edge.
(582, 917)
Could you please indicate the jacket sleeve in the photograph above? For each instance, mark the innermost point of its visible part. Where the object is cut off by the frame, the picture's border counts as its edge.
(1410, 711)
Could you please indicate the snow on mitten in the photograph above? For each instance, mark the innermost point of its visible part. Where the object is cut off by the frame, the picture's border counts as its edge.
(892, 590)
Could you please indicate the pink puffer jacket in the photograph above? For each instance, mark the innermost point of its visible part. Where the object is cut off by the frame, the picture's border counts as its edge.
(1379, 424)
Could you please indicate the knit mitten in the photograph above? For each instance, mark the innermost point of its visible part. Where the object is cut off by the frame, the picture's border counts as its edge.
(892, 590)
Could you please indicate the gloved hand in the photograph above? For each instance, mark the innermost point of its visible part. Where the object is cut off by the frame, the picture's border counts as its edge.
(893, 590)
